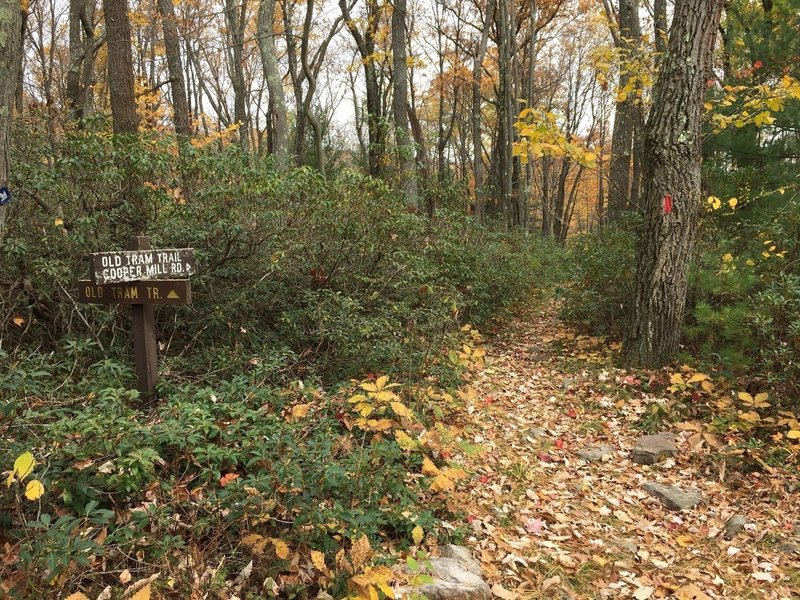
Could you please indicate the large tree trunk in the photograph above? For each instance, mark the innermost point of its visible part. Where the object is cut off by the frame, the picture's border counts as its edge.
(10, 55)
(81, 52)
(236, 20)
(172, 47)
(671, 193)
(366, 47)
(476, 114)
(120, 67)
(311, 77)
(405, 156)
(626, 116)
(505, 42)
(278, 115)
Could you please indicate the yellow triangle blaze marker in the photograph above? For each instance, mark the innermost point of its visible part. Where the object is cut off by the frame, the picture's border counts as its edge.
(173, 294)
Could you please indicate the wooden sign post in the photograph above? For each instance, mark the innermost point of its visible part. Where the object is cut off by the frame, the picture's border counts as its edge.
(141, 277)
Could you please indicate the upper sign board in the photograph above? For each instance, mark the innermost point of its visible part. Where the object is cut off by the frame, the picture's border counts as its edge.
(138, 265)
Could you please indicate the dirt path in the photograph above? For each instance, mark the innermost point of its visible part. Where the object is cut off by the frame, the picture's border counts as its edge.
(547, 524)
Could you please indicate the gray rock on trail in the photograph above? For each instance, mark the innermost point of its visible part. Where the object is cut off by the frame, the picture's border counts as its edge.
(733, 526)
(789, 548)
(650, 449)
(596, 454)
(462, 555)
(672, 496)
(456, 577)
(537, 432)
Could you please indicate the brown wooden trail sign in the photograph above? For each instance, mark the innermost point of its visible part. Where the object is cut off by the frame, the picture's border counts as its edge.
(141, 277)
(138, 265)
(171, 291)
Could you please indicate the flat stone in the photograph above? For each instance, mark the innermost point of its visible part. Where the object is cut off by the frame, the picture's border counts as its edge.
(733, 526)
(789, 548)
(462, 555)
(451, 581)
(672, 496)
(537, 432)
(596, 454)
(651, 449)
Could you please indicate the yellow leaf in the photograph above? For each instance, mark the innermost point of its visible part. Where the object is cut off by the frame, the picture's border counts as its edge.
(384, 587)
(24, 464)
(380, 424)
(34, 489)
(77, 596)
(401, 410)
(385, 396)
(299, 411)
(417, 534)
(441, 483)
(281, 549)
(762, 397)
(794, 434)
(357, 398)
(257, 544)
(733, 202)
(58, 222)
(691, 592)
(676, 379)
(404, 440)
(318, 560)
(142, 594)
(707, 386)
(750, 417)
(361, 552)
(745, 397)
(18, 321)
(454, 474)
(382, 381)
(697, 377)
(428, 468)
(684, 541)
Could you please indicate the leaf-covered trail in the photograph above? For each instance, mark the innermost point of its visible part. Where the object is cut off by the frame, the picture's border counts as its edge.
(547, 524)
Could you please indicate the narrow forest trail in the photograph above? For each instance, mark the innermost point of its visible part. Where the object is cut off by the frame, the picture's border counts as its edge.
(547, 524)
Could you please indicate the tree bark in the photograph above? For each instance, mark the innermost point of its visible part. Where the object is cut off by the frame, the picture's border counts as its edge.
(120, 67)
(366, 47)
(405, 156)
(10, 55)
(236, 20)
(172, 48)
(278, 127)
(311, 77)
(626, 115)
(505, 32)
(671, 193)
(476, 115)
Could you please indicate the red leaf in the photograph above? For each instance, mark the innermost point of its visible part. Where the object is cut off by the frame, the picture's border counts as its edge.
(559, 443)
(572, 413)
(227, 478)
(758, 64)
(667, 203)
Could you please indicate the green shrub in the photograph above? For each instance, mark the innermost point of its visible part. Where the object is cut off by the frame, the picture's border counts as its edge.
(601, 267)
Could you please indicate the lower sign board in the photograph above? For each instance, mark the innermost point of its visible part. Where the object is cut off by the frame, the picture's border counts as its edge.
(169, 291)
